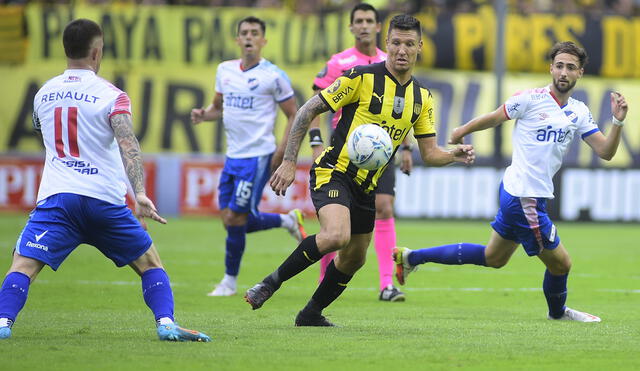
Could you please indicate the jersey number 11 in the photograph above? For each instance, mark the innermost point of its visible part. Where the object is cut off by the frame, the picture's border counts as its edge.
(72, 131)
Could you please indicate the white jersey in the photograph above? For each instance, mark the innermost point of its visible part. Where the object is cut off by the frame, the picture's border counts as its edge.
(541, 137)
(82, 156)
(249, 106)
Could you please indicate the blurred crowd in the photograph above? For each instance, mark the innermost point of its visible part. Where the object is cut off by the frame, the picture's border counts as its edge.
(594, 7)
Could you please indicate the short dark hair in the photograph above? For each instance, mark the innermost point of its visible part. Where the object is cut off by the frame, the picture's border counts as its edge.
(365, 7)
(78, 36)
(252, 19)
(569, 47)
(405, 22)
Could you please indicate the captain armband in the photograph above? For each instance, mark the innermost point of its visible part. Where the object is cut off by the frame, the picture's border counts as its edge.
(617, 122)
(315, 137)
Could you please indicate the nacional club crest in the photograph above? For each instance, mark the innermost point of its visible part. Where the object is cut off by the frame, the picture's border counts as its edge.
(253, 83)
(398, 105)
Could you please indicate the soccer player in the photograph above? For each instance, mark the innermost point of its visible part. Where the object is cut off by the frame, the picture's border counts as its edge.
(88, 136)
(383, 93)
(247, 91)
(365, 26)
(547, 120)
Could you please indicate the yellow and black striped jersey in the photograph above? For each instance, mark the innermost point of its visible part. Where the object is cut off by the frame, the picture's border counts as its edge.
(369, 94)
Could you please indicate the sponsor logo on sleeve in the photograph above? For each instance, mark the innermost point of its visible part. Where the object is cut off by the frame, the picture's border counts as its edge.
(334, 87)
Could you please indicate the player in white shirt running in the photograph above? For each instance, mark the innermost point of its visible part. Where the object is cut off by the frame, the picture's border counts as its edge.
(247, 91)
(547, 120)
(89, 142)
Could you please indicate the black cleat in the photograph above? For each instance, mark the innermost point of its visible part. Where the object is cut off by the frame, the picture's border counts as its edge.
(258, 294)
(391, 293)
(318, 320)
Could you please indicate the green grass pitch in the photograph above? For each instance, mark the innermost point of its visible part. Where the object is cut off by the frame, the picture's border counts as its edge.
(90, 315)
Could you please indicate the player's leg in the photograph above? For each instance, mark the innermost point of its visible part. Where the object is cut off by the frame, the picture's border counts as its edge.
(14, 291)
(118, 235)
(554, 285)
(236, 225)
(350, 258)
(341, 270)
(333, 235)
(158, 295)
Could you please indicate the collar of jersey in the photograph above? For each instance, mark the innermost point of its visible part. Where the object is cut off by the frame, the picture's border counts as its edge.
(386, 71)
(79, 70)
(250, 68)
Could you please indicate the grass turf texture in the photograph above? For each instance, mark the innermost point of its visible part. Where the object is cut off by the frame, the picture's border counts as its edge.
(90, 315)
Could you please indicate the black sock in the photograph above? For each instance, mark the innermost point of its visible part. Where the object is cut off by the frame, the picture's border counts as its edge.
(333, 284)
(300, 259)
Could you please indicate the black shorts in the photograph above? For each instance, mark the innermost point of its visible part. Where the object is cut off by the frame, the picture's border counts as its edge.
(387, 181)
(344, 191)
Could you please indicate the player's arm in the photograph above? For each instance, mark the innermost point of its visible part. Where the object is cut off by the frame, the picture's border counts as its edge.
(315, 135)
(289, 108)
(482, 122)
(132, 160)
(433, 155)
(211, 113)
(285, 174)
(606, 147)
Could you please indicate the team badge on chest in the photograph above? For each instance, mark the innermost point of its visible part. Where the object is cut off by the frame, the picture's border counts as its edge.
(253, 83)
(398, 105)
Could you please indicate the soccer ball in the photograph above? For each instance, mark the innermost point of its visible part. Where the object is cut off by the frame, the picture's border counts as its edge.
(369, 147)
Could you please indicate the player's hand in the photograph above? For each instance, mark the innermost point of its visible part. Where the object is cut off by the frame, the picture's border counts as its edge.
(464, 153)
(197, 115)
(456, 136)
(316, 151)
(283, 177)
(619, 106)
(406, 162)
(146, 209)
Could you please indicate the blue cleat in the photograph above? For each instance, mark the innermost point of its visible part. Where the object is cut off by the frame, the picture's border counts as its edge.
(5, 332)
(173, 332)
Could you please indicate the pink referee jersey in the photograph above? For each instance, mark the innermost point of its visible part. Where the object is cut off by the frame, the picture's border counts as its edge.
(338, 64)
(82, 156)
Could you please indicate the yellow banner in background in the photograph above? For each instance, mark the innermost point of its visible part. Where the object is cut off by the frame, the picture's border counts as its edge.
(165, 58)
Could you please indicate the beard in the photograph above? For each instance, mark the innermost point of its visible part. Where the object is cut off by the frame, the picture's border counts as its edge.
(569, 86)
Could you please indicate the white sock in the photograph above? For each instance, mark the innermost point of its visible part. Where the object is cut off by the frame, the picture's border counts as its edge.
(4, 322)
(229, 281)
(287, 221)
(165, 321)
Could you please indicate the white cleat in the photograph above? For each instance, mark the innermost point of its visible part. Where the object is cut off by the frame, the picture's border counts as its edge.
(401, 259)
(575, 315)
(297, 228)
(222, 290)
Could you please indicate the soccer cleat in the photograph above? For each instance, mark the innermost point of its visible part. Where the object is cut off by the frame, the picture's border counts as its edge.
(297, 229)
(258, 294)
(5, 328)
(391, 293)
(222, 290)
(306, 319)
(575, 315)
(173, 332)
(5, 332)
(403, 268)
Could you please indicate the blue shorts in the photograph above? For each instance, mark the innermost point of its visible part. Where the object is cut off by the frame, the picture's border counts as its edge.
(242, 182)
(525, 220)
(63, 221)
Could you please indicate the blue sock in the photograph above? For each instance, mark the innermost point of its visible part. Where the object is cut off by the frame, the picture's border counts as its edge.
(236, 236)
(263, 221)
(13, 294)
(460, 253)
(555, 290)
(157, 293)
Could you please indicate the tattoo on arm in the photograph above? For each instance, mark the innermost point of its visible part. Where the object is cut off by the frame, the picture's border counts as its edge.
(301, 122)
(129, 150)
